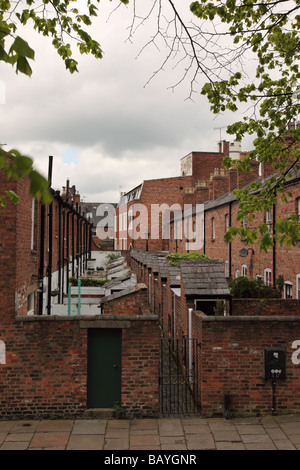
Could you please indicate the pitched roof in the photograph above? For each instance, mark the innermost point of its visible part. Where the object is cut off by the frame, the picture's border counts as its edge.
(174, 275)
(204, 278)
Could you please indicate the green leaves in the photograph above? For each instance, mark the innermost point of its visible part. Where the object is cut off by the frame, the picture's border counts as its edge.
(17, 166)
(63, 22)
(267, 33)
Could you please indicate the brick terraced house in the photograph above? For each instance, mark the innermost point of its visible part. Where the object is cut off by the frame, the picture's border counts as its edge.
(222, 344)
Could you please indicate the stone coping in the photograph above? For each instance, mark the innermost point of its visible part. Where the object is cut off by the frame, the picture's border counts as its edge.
(86, 318)
(232, 318)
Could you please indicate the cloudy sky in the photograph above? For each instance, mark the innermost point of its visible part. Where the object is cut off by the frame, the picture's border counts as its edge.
(106, 128)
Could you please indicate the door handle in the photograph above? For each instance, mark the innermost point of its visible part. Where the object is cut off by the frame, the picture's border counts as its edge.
(115, 366)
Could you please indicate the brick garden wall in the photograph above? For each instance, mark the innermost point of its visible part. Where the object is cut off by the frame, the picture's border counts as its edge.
(232, 361)
(45, 370)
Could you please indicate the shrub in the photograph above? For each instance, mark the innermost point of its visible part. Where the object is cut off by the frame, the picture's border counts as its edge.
(88, 282)
(244, 288)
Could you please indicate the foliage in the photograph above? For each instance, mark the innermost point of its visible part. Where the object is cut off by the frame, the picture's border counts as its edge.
(175, 258)
(57, 20)
(16, 166)
(112, 257)
(88, 282)
(243, 288)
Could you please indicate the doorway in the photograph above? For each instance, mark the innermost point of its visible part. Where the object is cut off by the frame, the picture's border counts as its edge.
(104, 367)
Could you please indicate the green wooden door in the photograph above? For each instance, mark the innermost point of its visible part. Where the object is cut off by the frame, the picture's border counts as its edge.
(104, 367)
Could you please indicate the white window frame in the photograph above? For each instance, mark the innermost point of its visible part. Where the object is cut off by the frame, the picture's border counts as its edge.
(237, 273)
(298, 286)
(269, 219)
(268, 276)
(226, 223)
(213, 228)
(244, 270)
(226, 268)
(32, 245)
(30, 303)
(288, 286)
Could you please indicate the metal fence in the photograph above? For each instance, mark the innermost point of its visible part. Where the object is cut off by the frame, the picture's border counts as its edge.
(178, 380)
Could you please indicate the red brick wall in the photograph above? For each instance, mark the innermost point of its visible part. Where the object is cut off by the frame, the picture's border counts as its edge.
(279, 307)
(45, 370)
(140, 369)
(232, 361)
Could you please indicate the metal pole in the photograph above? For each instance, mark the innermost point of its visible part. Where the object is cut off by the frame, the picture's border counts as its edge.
(69, 301)
(79, 295)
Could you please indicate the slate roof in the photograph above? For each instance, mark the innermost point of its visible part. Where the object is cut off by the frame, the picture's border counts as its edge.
(204, 279)
(174, 275)
(162, 264)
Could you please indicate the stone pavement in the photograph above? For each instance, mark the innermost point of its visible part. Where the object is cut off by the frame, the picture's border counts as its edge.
(164, 434)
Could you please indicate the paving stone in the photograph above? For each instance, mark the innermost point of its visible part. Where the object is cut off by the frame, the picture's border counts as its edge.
(55, 425)
(284, 444)
(250, 429)
(200, 429)
(146, 440)
(117, 432)
(6, 426)
(205, 442)
(294, 438)
(173, 447)
(256, 438)
(276, 434)
(24, 426)
(116, 444)
(261, 446)
(118, 424)
(42, 440)
(19, 437)
(86, 442)
(89, 426)
(143, 424)
(169, 427)
(222, 445)
(145, 448)
(291, 427)
(172, 440)
(14, 446)
(230, 435)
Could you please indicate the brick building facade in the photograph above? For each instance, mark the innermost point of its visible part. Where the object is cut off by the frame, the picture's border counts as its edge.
(143, 213)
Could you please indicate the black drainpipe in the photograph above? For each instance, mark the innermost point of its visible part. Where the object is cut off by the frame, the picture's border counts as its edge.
(41, 270)
(230, 243)
(68, 237)
(50, 214)
(73, 243)
(274, 246)
(77, 240)
(59, 253)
